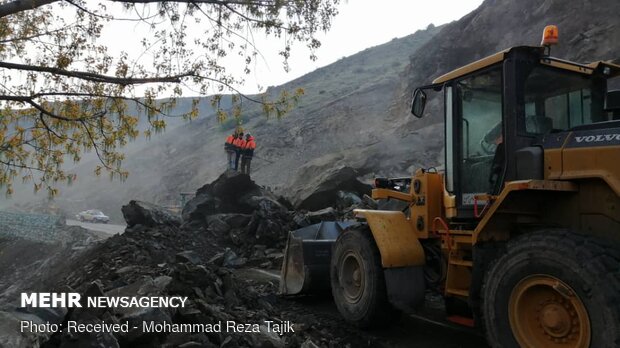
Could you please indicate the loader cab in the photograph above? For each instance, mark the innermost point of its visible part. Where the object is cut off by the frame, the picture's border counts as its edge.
(499, 110)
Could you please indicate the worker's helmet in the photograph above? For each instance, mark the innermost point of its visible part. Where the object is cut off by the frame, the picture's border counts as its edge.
(247, 135)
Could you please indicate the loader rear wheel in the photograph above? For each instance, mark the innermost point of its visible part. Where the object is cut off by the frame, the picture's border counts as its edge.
(357, 280)
(553, 289)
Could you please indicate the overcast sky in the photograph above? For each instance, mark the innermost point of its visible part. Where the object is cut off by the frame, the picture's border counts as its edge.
(359, 25)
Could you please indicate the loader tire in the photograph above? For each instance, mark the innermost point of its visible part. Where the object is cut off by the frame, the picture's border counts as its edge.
(357, 280)
(553, 288)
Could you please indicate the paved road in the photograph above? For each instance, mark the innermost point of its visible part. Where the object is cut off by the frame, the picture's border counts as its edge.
(105, 228)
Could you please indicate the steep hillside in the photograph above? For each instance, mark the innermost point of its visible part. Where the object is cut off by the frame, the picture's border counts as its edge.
(355, 111)
(342, 113)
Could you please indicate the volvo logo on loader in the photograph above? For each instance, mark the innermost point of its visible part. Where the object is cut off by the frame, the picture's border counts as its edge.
(597, 138)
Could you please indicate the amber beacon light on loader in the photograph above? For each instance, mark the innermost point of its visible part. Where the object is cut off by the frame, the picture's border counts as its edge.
(519, 233)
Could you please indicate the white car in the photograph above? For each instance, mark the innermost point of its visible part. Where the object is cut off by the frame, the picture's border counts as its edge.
(93, 215)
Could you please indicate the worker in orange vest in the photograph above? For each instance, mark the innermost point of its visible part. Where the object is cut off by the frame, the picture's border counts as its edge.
(230, 150)
(239, 145)
(247, 154)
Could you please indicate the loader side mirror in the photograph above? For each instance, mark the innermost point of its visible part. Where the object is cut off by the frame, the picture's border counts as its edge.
(419, 103)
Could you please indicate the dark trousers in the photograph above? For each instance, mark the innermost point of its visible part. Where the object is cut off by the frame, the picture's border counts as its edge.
(245, 164)
(237, 155)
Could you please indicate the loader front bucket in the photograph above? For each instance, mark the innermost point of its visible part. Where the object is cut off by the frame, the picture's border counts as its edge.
(305, 268)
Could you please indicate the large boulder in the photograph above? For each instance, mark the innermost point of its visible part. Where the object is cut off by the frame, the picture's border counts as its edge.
(238, 213)
(148, 214)
(317, 189)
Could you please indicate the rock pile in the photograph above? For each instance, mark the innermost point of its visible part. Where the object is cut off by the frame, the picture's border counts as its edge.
(232, 226)
(214, 296)
(242, 216)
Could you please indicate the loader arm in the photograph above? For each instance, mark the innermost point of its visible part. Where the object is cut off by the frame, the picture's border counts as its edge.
(382, 193)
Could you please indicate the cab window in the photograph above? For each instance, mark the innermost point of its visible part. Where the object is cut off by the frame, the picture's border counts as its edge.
(557, 100)
(479, 101)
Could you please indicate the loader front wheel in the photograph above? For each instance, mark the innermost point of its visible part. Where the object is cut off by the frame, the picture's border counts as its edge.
(357, 280)
(553, 289)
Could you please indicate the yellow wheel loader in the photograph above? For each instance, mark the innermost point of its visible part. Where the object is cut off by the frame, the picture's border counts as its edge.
(520, 233)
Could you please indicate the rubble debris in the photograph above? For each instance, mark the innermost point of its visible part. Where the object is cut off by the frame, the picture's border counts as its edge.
(148, 214)
(214, 295)
(239, 214)
(219, 236)
(301, 220)
(188, 256)
(10, 333)
(347, 199)
(326, 214)
(308, 344)
(230, 259)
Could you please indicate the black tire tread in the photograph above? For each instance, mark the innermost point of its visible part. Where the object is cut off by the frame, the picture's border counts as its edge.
(593, 255)
(380, 312)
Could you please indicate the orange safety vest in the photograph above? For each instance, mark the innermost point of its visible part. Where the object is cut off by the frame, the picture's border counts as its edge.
(239, 143)
(228, 145)
(248, 150)
(250, 144)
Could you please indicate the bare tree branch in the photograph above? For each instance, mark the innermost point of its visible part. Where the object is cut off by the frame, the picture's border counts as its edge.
(95, 146)
(12, 7)
(34, 36)
(100, 95)
(85, 10)
(29, 100)
(88, 76)
(212, 2)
